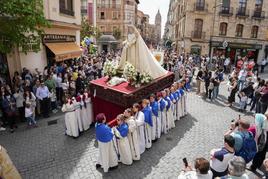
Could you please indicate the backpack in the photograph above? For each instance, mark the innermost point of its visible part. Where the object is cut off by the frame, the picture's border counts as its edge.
(261, 141)
(249, 148)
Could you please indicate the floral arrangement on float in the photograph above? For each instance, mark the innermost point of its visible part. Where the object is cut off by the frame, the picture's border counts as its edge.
(109, 69)
(130, 75)
(134, 77)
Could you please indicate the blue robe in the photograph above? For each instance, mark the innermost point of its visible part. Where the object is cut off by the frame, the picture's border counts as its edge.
(123, 129)
(181, 92)
(154, 107)
(162, 105)
(169, 102)
(178, 94)
(103, 133)
(148, 115)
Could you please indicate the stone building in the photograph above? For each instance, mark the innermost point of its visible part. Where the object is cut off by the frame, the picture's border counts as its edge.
(60, 42)
(114, 15)
(158, 21)
(229, 28)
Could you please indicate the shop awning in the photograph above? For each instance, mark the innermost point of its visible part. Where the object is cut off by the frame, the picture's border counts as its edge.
(64, 51)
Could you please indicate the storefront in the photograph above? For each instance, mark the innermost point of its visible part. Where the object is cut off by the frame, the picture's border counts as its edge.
(60, 48)
(233, 50)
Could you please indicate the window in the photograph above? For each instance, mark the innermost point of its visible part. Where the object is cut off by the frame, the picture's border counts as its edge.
(198, 26)
(239, 30)
(102, 15)
(258, 5)
(254, 31)
(114, 28)
(242, 6)
(200, 2)
(223, 28)
(200, 5)
(66, 7)
(115, 16)
(102, 28)
(225, 6)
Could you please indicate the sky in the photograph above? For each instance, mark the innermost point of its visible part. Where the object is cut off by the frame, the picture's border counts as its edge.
(151, 7)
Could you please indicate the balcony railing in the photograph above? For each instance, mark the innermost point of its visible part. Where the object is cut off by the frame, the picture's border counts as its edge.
(258, 15)
(200, 7)
(242, 12)
(198, 35)
(226, 11)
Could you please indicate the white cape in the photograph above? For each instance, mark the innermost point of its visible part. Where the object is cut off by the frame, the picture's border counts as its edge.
(136, 52)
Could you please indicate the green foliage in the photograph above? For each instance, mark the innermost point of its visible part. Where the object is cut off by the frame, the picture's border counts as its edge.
(88, 30)
(117, 33)
(21, 24)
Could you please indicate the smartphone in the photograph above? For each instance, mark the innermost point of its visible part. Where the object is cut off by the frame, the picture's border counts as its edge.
(185, 162)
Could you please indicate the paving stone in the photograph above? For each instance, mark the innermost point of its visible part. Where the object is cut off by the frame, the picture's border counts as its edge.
(45, 152)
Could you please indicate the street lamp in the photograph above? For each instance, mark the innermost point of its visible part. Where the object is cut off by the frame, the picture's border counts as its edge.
(213, 24)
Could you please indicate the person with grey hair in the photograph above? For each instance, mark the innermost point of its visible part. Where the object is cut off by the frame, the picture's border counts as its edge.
(236, 169)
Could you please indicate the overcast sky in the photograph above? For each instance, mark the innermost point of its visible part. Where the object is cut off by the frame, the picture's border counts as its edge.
(151, 6)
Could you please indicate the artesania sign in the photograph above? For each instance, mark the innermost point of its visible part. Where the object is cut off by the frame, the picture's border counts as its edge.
(50, 38)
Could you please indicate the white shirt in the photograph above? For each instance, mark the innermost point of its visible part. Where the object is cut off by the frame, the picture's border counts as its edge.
(19, 99)
(195, 175)
(226, 62)
(263, 62)
(28, 112)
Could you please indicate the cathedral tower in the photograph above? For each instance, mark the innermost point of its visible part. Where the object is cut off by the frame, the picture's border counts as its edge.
(158, 20)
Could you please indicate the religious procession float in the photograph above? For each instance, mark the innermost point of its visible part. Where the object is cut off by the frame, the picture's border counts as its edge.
(135, 77)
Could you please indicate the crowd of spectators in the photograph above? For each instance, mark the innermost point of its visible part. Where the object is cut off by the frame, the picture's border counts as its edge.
(32, 94)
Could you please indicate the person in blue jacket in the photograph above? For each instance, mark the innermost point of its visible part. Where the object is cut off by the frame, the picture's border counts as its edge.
(108, 156)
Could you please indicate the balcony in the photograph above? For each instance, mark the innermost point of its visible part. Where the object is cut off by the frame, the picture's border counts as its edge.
(258, 15)
(198, 35)
(226, 11)
(242, 12)
(200, 7)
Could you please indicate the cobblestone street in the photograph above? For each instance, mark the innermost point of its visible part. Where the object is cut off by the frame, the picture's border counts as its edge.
(45, 152)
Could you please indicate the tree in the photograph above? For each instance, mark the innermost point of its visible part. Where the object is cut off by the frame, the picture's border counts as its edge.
(88, 30)
(21, 24)
(117, 33)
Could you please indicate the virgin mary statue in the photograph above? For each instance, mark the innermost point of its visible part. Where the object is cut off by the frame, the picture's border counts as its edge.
(136, 52)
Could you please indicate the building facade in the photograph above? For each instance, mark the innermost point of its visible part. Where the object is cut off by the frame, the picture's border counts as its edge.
(229, 28)
(60, 42)
(116, 15)
(158, 21)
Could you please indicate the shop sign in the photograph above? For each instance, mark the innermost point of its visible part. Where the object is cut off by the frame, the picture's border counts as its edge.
(52, 38)
(237, 45)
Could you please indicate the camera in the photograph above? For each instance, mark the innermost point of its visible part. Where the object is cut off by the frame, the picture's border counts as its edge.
(185, 162)
(236, 122)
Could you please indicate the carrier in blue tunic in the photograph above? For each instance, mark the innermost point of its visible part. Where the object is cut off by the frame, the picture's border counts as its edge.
(123, 129)
(162, 105)
(181, 92)
(103, 133)
(175, 96)
(154, 106)
(148, 115)
(168, 100)
(178, 94)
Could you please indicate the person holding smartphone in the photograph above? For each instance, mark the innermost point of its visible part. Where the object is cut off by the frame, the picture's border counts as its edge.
(200, 170)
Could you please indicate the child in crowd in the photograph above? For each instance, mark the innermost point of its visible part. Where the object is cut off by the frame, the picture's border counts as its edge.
(243, 101)
(29, 115)
(53, 99)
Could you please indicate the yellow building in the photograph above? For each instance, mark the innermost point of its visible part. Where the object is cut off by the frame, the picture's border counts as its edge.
(228, 27)
(60, 42)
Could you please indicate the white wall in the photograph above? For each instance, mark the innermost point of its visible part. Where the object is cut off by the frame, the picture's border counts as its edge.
(33, 60)
(52, 12)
